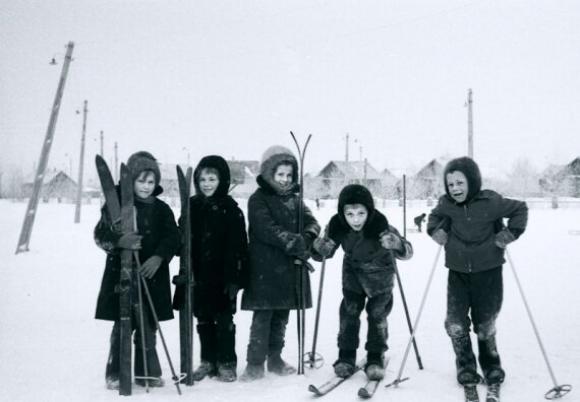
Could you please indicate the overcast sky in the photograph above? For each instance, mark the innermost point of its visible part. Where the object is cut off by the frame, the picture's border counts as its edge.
(233, 77)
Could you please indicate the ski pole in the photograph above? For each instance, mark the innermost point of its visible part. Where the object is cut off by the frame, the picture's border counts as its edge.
(176, 379)
(557, 391)
(316, 360)
(141, 322)
(408, 348)
(398, 276)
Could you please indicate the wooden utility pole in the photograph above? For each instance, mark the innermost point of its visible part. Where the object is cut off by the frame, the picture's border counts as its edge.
(102, 150)
(26, 231)
(81, 166)
(346, 152)
(116, 163)
(470, 123)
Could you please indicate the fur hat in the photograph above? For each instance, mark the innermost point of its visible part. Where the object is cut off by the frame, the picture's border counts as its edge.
(355, 194)
(273, 157)
(218, 163)
(469, 168)
(142, 161)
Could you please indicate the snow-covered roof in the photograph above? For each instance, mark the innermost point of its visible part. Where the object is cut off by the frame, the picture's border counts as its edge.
(349, 169)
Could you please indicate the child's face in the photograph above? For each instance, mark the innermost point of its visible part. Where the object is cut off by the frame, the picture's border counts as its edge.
(208, 182)
(356, 215)
(457, 186)
(144, 184)
(283, 176)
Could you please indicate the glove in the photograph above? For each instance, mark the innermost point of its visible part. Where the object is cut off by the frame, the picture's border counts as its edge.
(503, 238)
(231, 290)
(150, 267)
(130, 241)
(391, 241)
(323, 246)
(440, 237)
(296, 245)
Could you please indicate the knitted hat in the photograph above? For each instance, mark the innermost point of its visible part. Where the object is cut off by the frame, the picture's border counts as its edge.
(469, 168)
(273, 157)
(355, 194)
(143, 161)
(218, 163)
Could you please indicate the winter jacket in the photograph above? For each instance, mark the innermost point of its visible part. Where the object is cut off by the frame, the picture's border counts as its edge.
(273, 275)
(156, 223)
(471, 228)
(367, 266)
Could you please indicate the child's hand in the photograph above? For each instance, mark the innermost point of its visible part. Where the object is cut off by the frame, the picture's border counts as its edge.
(440, 237)
(150, 267)
(503, 238)
(296, 245)
(231, 290)
(130, 241)
(390, 241)
(323, 246)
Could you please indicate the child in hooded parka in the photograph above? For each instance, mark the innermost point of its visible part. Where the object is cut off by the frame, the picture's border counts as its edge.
(156, 240)
(275, 247)
(468, 221)
(219, 260)
(370, 247)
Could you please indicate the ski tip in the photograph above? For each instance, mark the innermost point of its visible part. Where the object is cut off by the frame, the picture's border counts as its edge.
(363, 393)
(314, 390)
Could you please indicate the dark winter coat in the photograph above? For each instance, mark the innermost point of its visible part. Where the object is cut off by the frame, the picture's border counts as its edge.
(367, 267)
(273, 274)
(156, 223)
(471, 228)
(219, 252)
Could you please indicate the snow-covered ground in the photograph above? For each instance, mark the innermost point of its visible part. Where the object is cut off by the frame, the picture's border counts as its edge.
(51, 348)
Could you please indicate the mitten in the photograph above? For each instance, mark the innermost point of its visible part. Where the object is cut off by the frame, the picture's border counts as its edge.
(324, 246)
(296, 245)
(503, 238)
(390, 241)
(130, 241)
(440, 237)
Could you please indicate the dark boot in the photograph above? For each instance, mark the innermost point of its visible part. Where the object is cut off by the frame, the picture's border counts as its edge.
(278, 366)
(465, 361)
(252, 372)
(490, 362)
(227, 372)
(345, 366)
(375, 366)
(205, 369)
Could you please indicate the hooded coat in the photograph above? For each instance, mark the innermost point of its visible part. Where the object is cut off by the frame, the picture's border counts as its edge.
(219, 252)
(156, 223)
(273, 221)
(471, 226)
(367, 267)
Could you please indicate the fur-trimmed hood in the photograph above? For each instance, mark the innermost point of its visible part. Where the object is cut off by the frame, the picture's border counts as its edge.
(273, 157)
(218, 163)
(469, 168)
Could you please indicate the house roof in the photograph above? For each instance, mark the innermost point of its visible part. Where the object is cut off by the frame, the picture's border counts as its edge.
(355, 169)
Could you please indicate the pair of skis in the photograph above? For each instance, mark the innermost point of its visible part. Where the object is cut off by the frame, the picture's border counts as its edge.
(122, 216)
(365, 392)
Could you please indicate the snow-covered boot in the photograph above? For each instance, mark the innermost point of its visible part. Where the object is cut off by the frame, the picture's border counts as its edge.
(227, 372)
(278, 366)
(252, 372)
(205, 369)
(471, 393)
(492, 393)
(345, 366)
(112, 383)
(375, 366)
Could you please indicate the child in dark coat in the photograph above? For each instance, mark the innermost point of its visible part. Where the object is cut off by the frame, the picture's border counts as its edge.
(219, 249)
(275, 247)
(156, 240)
(468, 221)
(370, 247)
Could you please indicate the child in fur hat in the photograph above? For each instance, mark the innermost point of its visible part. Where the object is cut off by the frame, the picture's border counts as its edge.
(275, 248)
(219, 248)
(156, 240)
(468, 221)
(370, 247)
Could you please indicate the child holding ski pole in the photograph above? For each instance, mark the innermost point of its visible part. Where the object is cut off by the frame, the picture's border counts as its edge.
(468, 221)
(219, 260)
(156, 244)
(275, 245)
(370, 247)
